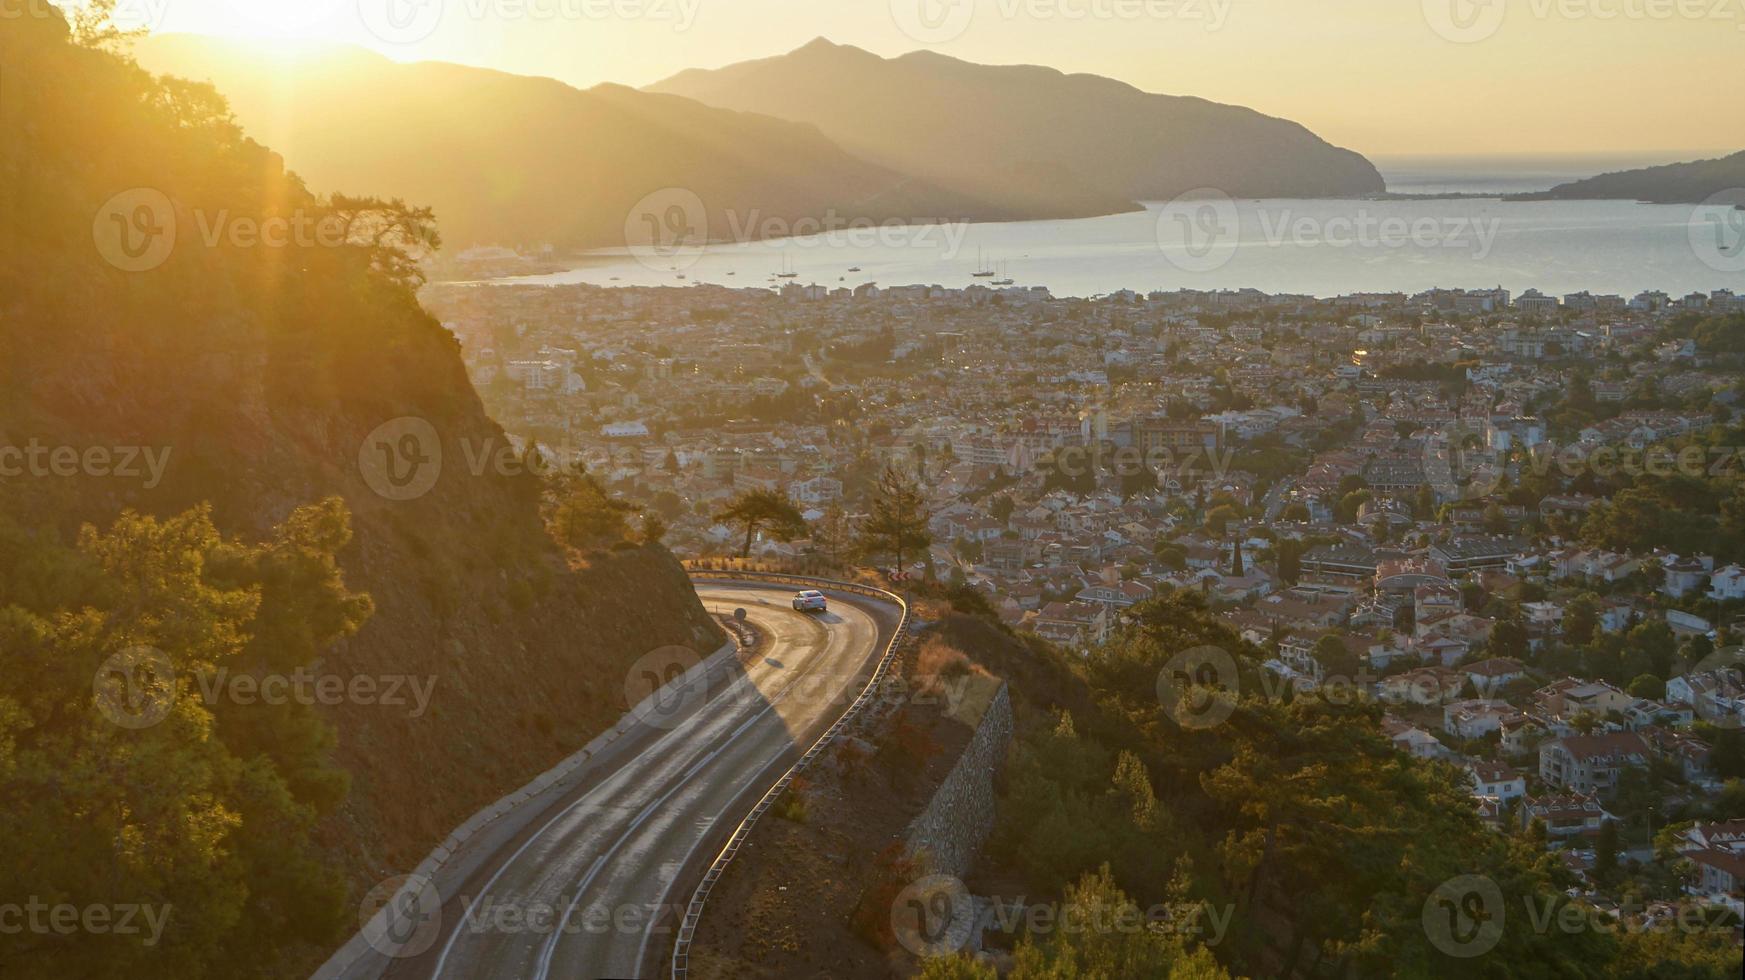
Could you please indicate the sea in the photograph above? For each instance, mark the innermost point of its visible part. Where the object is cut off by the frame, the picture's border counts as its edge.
(1318, 247)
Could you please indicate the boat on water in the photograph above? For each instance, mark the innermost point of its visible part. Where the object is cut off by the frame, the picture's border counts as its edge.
(982, 270)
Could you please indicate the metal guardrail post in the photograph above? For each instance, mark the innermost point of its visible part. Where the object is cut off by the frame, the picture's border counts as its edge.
(699, 898)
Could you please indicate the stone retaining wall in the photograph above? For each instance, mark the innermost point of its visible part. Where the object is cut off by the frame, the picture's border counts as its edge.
(960, 816)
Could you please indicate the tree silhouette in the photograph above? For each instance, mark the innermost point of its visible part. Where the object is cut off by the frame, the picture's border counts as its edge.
(897, 523)
(767, 510)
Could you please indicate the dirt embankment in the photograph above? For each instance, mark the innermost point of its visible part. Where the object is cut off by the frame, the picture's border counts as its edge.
(811, 893)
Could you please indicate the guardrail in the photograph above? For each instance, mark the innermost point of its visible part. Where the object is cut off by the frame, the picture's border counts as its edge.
(700, 897)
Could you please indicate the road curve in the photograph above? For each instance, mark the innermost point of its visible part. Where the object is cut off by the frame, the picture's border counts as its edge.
(595, 880)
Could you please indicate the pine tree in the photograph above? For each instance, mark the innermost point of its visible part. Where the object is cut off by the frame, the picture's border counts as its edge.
(897, 523)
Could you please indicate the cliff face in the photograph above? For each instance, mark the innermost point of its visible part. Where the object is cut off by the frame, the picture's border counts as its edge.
(257, 378)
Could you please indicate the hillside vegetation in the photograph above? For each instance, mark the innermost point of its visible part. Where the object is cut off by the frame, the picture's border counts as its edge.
(256, 544)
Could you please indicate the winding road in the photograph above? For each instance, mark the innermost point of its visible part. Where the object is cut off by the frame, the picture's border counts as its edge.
(591, 882)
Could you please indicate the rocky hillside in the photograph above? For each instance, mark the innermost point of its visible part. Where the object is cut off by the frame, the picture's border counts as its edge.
(148, 329)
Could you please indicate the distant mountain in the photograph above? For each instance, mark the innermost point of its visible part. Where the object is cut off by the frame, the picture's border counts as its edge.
(1672, 183)
(1039, 139)
(516, 159)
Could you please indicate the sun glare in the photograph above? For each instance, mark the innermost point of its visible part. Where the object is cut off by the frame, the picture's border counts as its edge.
(270, 20)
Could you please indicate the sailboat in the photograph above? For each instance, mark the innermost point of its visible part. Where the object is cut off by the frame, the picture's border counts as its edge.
(982, 271)
(1004, 279)
(787, 271)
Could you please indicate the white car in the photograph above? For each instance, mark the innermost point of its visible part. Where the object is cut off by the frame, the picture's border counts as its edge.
(810, 600)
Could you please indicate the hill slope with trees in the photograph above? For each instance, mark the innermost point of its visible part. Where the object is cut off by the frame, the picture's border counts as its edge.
(264, 540)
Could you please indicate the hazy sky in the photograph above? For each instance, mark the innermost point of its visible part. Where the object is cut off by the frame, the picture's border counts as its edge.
(1384, 77)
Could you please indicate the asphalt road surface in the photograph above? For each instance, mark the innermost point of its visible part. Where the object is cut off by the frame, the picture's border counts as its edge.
(593, 882)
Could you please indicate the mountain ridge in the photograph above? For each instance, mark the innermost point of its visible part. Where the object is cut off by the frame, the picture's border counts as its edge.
(1024, 133)
(567, 167)
(1688, 182)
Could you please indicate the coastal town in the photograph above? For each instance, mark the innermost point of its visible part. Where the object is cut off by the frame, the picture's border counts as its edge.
(1517, 521)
